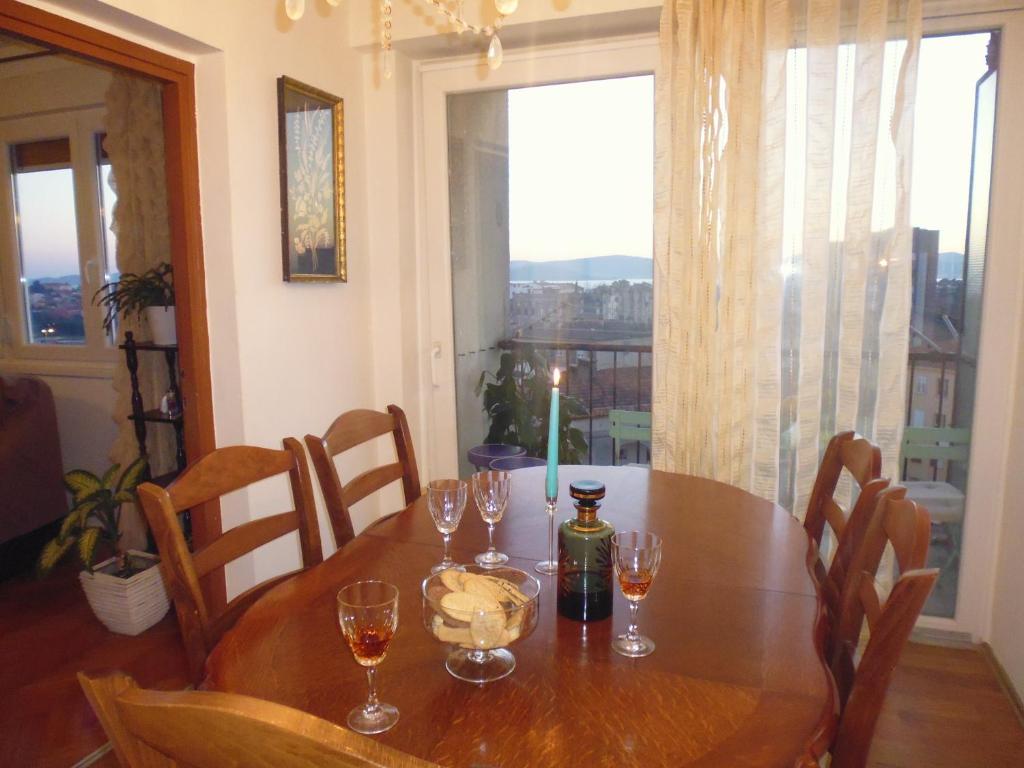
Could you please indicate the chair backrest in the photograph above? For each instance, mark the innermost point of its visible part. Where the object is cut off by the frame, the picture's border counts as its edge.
(890, 625)
(216, 474)
(940, 443)
(349, 430)
(905, 525)
(628, 425)
(863, 460)
(203, 729)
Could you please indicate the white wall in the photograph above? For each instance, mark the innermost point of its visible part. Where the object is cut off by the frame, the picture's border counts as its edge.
(1007, 635)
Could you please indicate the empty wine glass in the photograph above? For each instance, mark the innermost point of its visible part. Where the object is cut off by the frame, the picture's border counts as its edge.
(490, 490)
(446, 500)
(368, 615)
(636, 555)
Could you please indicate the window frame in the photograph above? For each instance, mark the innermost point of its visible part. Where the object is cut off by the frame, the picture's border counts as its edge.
(80, 127)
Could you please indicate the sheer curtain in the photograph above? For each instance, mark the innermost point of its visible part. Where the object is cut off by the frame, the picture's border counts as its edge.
(135, 146)
(783, 243)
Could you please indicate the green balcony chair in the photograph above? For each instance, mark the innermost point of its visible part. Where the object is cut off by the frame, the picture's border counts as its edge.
(628, 425)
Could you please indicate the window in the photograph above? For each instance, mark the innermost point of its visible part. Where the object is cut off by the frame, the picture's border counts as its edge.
(921, 385)
(44, 206)
(55, 212)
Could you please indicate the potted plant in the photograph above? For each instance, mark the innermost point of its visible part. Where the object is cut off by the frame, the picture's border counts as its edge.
(151, 293)
(518, 400)
(125, 591)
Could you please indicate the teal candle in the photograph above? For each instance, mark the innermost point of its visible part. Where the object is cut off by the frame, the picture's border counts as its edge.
(552, 479)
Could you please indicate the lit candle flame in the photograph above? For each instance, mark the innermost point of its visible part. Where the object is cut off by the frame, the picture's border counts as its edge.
(556, 376)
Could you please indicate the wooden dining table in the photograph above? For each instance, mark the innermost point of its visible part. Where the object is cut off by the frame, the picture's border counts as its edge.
(736, 678)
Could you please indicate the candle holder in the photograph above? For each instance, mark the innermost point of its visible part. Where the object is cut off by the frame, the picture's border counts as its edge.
(549, 567)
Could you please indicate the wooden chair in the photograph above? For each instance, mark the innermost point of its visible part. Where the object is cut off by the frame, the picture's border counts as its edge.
(216, 474)
(863, 460)
(862, 685)
(349, 430)
(207, 730)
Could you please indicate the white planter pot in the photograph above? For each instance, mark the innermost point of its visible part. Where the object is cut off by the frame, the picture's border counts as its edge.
(161, 324)
(126, 606)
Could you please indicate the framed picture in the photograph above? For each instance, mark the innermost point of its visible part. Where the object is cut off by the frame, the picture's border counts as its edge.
(311, 144)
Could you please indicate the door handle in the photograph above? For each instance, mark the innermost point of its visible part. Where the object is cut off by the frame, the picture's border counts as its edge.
(91, 270)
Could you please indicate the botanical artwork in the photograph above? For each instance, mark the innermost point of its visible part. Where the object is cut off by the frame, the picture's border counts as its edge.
(312, 183)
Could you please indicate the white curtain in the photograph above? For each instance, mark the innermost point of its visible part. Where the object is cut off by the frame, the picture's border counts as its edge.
(783, 243)
(135, 146)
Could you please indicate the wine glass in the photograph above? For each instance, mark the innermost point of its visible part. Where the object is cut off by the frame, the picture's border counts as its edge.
(447, 501)
(490, 489)
(368, 615)
(636, 555)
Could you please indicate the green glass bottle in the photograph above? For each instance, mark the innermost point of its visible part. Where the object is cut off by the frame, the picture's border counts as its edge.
(585, 578)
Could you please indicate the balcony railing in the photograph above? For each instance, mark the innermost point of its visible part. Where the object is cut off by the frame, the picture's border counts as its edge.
(603, 375)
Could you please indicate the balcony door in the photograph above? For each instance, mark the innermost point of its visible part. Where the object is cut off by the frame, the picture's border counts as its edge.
(966, 192)
(532, 239)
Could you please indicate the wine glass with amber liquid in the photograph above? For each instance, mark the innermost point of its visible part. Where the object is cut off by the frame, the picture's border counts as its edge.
(636, 556)
(368, 615)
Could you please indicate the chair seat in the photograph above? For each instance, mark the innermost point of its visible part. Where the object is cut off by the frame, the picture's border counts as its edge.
(944, 502)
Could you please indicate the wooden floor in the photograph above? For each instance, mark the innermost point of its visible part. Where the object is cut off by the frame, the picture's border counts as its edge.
(945, 708)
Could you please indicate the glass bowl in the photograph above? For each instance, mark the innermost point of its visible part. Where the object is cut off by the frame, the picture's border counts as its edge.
(479, 612)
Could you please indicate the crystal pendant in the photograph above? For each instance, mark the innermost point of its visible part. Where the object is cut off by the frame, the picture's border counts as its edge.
(494, 53)
(294, 9)
(389, 63)
(335, 3)
(506, 7)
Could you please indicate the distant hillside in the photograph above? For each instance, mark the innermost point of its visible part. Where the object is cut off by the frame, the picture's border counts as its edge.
(73, 280)
(590, 268)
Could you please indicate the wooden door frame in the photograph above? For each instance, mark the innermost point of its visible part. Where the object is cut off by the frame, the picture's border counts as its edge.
(182, 161)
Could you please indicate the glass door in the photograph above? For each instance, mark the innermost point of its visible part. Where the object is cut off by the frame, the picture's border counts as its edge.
(953, 155)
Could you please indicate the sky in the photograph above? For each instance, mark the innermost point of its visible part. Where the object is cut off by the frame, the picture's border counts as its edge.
(581, 158)
(581, 169)
(46, 213)
(949, 69)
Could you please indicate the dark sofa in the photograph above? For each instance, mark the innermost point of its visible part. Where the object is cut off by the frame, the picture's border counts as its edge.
(31, 490)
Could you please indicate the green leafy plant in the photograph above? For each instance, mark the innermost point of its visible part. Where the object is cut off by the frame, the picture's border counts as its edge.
(94, 516)
(517, 397)
(134, 293)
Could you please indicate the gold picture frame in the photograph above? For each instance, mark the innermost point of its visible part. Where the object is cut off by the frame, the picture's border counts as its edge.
(311, 147)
